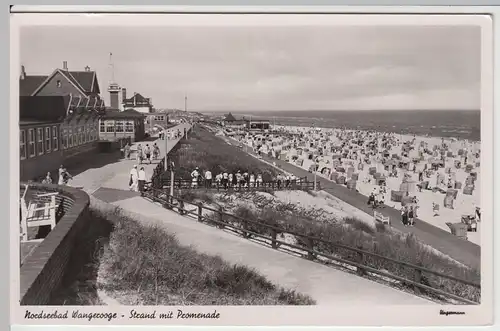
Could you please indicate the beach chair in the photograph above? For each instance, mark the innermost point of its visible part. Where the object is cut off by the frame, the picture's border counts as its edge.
(379, 217)
(34, 216)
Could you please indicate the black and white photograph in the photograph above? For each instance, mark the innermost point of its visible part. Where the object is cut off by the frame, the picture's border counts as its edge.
(170, 162)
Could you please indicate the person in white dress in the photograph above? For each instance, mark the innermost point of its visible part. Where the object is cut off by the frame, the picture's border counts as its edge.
(134, 179)
(194, 177)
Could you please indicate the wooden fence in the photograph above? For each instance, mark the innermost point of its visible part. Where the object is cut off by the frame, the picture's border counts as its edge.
(414, 276)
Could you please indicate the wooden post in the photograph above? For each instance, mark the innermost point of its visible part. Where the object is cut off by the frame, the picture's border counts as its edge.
(200, 212)
(219, 216)
(245, 234)
(361, 260)
(310, 246)
(181, 207)
(417, 279)
(274, 234)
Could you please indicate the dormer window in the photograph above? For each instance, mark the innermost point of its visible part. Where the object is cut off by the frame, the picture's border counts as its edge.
(58, 83)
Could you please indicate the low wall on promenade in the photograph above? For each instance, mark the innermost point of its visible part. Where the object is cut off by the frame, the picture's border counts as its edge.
(42, 271)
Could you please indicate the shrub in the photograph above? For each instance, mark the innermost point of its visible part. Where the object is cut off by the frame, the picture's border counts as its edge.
(150, 263)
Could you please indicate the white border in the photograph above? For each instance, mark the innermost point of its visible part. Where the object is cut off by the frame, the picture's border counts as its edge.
(319, 315)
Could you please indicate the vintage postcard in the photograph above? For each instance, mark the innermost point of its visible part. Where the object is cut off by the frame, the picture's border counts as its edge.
(269, 168)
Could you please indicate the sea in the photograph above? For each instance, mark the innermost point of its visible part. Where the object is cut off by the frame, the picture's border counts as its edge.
(461, 124)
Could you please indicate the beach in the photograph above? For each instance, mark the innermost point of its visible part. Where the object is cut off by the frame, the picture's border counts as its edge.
(439, 177)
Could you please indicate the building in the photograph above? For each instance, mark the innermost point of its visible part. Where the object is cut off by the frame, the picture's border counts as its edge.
(231, 122)
(137, 102)
(258, 125)
(116, 125)
(81, 92)
(158, 120)
(40, 149)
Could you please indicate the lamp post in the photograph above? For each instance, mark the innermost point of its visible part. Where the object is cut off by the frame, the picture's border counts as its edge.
(315, 170)
(166, 146)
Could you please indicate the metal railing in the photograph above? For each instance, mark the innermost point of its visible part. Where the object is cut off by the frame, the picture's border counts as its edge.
(419, 278)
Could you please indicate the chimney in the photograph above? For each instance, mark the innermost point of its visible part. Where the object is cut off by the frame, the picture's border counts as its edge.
(87, 68)
(23, 72)
(124, 93)
(65, 65)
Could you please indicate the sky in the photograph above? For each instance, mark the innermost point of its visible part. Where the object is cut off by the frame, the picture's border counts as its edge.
(272, 68)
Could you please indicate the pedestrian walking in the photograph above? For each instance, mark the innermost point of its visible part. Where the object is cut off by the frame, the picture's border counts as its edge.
(194, 177)
(252, 180)
(64, 176)
(147, 151)
(134, 179)
(142, 179)
(208, 179)
(126, 151)
(411, 215)
(230, 180)
(218, 180)
(259, 180)
(404, 216)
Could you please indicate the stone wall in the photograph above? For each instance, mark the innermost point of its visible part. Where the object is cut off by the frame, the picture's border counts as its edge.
(42, 272)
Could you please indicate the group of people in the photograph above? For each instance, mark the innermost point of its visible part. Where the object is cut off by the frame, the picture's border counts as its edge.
(171, 135)
(148, 153)
(408, 215)
(137, 179)
(64, 177)
(239, 179)
(377, 196)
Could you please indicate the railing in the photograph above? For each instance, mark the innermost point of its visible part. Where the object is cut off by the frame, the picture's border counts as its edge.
(300, 184)
(63, 202)
(356, 257)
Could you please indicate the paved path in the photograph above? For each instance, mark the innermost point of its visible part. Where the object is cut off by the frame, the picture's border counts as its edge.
(461, 250)
(326, 285)
(116, 175)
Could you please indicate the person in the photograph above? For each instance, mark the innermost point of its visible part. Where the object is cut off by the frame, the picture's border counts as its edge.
(287, 180)
(47, 179)
(252, 179)
(259, 180)
(64, 176)
(134, 179)
(141, 179)
(147, 151)
(218, 180)
(420, 176)
(404, 216)
(245, 179)
(435, 209)
(208, 179)
(230, 179)
(139, 154)
(156, 151)
(225, 180)
(126, 151)
(279, 180)
(194, 177)
(411, 220)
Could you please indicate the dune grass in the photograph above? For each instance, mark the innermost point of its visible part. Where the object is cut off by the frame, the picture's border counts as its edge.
(375, 239)
(146, 263)
(205, 150)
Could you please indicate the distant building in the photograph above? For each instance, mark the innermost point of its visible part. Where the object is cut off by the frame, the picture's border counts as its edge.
(158, 120)
(80, 89)
(116, 125)
(137, 102)
(231, 122)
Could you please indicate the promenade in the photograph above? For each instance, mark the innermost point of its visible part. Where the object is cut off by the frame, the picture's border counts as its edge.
(461, 250)
(325, 284)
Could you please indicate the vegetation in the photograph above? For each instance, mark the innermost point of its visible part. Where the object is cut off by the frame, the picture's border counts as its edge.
(205, 150)
(357, 234)
(148, 264)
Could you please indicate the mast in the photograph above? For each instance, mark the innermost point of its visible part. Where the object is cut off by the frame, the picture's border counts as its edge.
(112, 67)
(185, 103)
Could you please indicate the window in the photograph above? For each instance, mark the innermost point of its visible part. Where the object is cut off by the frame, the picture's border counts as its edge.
(102, 128)
(22, 144)
(70, 138)
(48, 139)
(59, 83)
(129, 127)
(55, 138)
(159, 118)
(110, 126)
(39, 133)
(31, 142)
(119, 126)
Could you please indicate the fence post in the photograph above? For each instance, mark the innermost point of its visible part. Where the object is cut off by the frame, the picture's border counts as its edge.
(417, 279)
(181, 207)
(219, 217)
(310, 246)
(245, 234)
(319, 186)
(200, 212)
(360, 260)
(274, 234)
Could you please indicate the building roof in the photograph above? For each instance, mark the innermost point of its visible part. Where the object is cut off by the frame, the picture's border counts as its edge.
(46, 108)
(137, 98)
(117, 114)
(229, 118)
(29, 84)
(85, 81)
